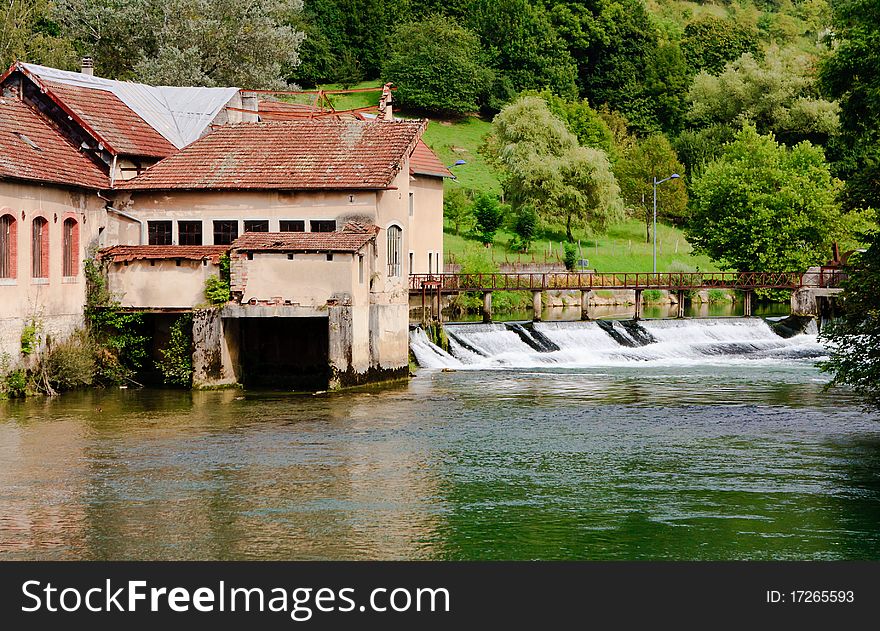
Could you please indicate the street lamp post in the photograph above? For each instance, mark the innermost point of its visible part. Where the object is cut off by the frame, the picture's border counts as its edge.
(674, 176)
(458, 163)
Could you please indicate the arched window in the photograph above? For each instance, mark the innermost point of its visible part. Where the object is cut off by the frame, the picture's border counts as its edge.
(395, 244)
(40, 248)
(71, 247)
(8, 247)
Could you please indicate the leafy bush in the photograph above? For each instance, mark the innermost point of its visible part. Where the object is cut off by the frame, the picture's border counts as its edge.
(652, 295)
(30, 338)
(458, 208)
(438, 66)
(570, 259)
(176, 359)
(14, 384)
(72, 363)
(217, 288)
(525, 227)
(489, 214)
(718, 295)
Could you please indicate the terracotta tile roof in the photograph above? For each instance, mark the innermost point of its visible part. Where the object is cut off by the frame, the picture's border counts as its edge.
(120, 129)
(32, 149)
(120, 253)
(320, 154)
(425, 162)
(303, 241)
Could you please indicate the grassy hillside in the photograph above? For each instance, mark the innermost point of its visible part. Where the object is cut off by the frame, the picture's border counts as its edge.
(622, 249)
(461, 140)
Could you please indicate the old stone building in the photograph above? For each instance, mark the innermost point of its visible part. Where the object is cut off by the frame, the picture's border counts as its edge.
(323, 218)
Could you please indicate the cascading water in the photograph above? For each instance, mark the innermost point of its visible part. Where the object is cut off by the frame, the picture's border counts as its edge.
(613, 343)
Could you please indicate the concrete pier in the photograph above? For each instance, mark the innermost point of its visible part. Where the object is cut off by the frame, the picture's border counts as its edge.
(638, 310)
(680, 311)
(585, 304)
(487, 306)
(537, 305)
(747, 303)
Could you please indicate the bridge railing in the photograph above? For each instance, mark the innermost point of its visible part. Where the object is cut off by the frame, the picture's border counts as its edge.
(629, 280)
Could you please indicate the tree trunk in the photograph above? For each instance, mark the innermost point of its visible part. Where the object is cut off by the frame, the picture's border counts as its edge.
(647, 227)
(568, 230)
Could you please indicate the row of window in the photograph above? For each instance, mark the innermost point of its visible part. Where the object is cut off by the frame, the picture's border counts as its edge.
(225, 231)
(39, 247)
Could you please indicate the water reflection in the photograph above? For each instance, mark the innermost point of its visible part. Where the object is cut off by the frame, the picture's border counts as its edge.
(687, 462)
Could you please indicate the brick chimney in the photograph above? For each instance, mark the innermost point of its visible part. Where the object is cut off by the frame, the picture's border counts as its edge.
(385, 110)
(88, 66)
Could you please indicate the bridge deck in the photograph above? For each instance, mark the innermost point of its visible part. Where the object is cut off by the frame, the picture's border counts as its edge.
(453, 283)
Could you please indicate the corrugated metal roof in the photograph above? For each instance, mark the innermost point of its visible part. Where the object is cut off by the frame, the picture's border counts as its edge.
(322, 154)
(180, 114)
(32, 149)
(115, 124)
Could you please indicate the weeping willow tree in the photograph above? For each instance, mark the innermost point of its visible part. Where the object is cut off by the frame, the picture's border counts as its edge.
(544, 166)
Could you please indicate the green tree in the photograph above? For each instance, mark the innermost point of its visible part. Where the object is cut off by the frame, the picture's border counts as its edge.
(489, 215)
(853, 339)
(851, 73)
(710, 43)
(438, 66)
(582, 120)
(28, 32)
(525, 227)
(765, 207)
(775, 95)
(543, 165)
(523, 46)
(614, 44)
(458, 208)
(187, 42)
(653, 157)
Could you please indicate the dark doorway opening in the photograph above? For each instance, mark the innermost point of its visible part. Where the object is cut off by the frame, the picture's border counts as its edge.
(290, 353)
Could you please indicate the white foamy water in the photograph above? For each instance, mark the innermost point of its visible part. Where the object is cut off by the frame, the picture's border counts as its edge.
(585, 344)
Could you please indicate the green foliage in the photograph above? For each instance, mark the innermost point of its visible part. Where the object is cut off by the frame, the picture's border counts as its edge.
(718, 295)
(217, 288)
(709, 43)
(175, 363)
(117, 333)
(30, 338)
(478, 262)
(524, 47)
(652, 158)
(614, 44)
(697, 148)
(763, 206)
(652, 295)
(775, 95)
(544, 166)
(438, 66)
(29, 33)
(489, 215)
(71, 364)
(850, 74)
(187, 42)
(571, 255)
(525, 227)
(457, 208)
(582, 120)
(853, 340)
(14, 384)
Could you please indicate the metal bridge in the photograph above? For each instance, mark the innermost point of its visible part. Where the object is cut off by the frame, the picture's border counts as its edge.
(432, 286)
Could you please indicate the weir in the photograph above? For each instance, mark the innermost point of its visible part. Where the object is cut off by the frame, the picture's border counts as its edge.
(751, 341)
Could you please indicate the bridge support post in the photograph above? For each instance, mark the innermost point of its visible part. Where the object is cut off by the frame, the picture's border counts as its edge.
(487, 306)
(680, 304)
(747, 303)
(638, 311)
(585, 304)
(536, 306)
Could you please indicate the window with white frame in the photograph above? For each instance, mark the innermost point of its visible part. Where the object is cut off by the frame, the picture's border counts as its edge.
(395, 244)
